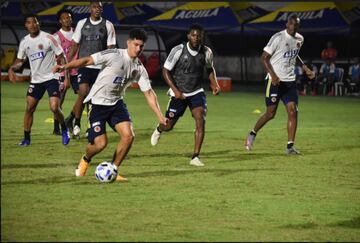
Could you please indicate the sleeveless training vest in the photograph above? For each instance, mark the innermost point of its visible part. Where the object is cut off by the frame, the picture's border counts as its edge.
(188, 71)
(66, 45)
(93, 38)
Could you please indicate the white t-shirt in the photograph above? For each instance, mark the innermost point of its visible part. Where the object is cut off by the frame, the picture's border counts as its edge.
(111, 37)
(41, 52)
(284, 49)
(174, 56)
(117, 73)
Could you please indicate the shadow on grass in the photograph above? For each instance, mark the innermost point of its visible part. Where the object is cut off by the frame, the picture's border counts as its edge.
(352, 223)
(308, 225)
(32, 166)
(84, 181)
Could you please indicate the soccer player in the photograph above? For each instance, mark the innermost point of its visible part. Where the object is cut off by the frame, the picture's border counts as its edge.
(183, 72)
(40, 48)
(120, 67)
(279, 59)
(91, 35)
(64, 38)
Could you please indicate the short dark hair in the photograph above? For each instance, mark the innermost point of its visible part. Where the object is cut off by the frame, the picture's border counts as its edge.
(31, 16)
(294, 17)
(196, 27)
(61, 11)
(139, 34)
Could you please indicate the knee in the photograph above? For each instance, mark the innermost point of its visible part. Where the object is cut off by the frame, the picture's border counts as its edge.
(100, 144)
(54, 107)
(30, 109)
(128, 138)
(270, 115)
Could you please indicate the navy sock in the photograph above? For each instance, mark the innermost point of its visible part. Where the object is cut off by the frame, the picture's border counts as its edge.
(56, 125)
(77, 122)
(158, 130)
(27, 135)
(195, 155)
(253, 133)
(63, 127)
(86, 159)
(289, 145)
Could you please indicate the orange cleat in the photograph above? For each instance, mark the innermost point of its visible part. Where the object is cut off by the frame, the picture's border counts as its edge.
(82, 167)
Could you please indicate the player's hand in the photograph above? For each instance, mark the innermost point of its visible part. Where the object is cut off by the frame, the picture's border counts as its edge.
(163, 120)
(310, 74)
(12, 75)
(66, 84)
(179, 95)
(216, 90)
(57, 69)
(275, 80)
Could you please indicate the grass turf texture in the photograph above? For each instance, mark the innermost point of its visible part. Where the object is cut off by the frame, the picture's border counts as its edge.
(263, 195)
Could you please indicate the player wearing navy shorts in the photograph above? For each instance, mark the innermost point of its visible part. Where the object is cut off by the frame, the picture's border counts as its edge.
(91, 35)
(41, 49)
(183, 72)
(279, 59)
(120, 67)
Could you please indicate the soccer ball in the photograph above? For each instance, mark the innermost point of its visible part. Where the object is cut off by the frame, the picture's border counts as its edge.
(106, 172)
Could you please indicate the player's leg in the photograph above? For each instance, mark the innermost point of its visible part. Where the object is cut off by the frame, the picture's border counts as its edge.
(56, 130)
(271, 101)
(175, 110)
(79, 107)
(31, 104)
(290, 99)
(54, 101)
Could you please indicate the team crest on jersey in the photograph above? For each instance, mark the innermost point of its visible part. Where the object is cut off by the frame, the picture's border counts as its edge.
(40, 46)
(97, 129)
(171, 114)
(273, 99)
(30, 90)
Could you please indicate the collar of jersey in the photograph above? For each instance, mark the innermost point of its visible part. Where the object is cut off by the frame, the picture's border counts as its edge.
(192, 52)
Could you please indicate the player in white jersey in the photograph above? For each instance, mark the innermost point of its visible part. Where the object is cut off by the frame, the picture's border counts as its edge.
(120, 67)
(41, 49)
(91, 35)
(279, 59)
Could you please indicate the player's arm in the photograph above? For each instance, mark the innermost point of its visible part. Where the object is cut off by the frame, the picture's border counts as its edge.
(170, 81)
(265, 58)
(152, 101)
(62, 60)
(82, 62)
(73, 50)
(14, 67)
(111, 37)
(211, 71)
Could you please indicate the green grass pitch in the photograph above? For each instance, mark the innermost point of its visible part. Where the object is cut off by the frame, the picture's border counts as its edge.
(262, 195)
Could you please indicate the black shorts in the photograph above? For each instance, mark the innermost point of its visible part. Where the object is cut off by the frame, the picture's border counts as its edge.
(100, 114)
(177, 107)
(73, 82)
(285, 91)
(37, 90)
(87, 75)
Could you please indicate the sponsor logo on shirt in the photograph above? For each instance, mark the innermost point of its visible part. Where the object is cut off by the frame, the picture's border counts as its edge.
(119, 80)
(193, 14)
(92, 37)
(37, 55)
(291, 53)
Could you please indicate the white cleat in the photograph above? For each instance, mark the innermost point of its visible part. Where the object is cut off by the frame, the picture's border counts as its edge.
(196, 162)
(76, 131)
(155, 137)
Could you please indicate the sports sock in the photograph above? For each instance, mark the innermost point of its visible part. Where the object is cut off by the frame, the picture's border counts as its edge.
(63, 127)
(27, 135)
(56, 125)
(77, 122)
(195, 155)
(158, 129)
(252, 132)
(290, 144)
(86, 159)
(71, 116)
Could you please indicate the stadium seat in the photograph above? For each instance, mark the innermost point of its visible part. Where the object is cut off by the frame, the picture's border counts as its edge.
(9, 57)
(339, 85)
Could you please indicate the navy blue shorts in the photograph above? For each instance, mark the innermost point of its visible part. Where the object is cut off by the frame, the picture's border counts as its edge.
(73, 82)
(37, 90)
(100, 114)
(177, 107)
(87, 75)
(285, 91)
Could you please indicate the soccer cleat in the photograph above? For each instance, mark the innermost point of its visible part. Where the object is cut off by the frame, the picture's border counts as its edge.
(65, 136)
(121, 178)
(196, 162)
(155, 137)
(292, 151)
(249, 142)
(76, 130)
(24, 143)
(82, 167)
(68, 123)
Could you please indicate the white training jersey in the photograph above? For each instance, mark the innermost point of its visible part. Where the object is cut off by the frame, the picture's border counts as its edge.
(284, 49)
(40, 51)
(174, 56)
(117, 73)
(111, 37)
